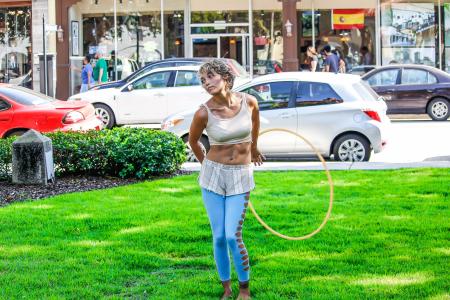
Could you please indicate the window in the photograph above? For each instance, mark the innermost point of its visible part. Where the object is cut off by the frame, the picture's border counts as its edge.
(388, 77)
(416, 76)
(271, 95)
(316, 93)
(365, 92)
(187, 78)
(4, 105)
(154, 80)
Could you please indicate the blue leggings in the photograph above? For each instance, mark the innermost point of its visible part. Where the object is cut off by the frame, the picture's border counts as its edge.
(226, 215)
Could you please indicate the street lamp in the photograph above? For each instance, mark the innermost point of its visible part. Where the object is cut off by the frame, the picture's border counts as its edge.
(60, 34)
(288, 26)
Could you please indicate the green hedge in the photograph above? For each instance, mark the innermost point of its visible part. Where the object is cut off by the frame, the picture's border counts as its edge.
(122, 152)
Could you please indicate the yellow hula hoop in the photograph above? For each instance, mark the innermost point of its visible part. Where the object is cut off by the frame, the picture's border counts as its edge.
(330, 181)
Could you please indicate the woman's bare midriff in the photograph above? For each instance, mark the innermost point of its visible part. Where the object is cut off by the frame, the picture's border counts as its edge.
(237, 154)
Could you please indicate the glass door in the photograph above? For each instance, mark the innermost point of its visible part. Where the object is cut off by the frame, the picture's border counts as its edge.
(15, 52)
(205, 47)
(235, 47)
(446, 33)
(222, 46)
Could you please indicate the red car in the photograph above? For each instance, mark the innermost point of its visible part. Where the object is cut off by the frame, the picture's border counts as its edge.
(22, 109)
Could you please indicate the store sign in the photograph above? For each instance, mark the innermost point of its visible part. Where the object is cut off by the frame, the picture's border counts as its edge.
(348, 19)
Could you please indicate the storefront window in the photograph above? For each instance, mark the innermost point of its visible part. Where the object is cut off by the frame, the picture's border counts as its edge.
(219, 32)
(217, 16)
(446, 33)
(349, 32)
(408, 33)
(138, 40)
(267, 42)
(174, 33)
(15, 46)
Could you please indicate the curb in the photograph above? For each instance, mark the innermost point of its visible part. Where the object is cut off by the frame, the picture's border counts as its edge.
(291, 166)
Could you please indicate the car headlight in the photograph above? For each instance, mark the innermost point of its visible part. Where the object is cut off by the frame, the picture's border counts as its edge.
(171, 122)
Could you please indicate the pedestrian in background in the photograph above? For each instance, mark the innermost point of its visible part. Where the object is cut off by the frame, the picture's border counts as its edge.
(100, 69)
(331, 63)
(87, 79)
(312, 58)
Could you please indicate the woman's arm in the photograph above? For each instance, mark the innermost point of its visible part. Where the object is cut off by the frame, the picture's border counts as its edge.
(257, 157)
(89, 79)
(195, 132)
(313, 65)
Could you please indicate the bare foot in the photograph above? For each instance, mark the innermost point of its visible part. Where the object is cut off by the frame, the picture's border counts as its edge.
(226, 295)
(244, 291)
(244, 294)
(227, 292)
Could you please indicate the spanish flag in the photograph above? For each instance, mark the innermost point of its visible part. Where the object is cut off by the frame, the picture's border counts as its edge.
(348, 18)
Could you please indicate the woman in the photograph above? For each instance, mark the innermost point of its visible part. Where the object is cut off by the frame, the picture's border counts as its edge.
(231, 121)
(87, 80)
(312, 58)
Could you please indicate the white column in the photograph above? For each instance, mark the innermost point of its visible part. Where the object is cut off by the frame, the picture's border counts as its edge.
(115, 40)
(250, 31)
(378, 33)
(187, 29)
(162, 30)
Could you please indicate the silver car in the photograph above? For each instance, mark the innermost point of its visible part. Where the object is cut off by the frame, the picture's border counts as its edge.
(338, 113)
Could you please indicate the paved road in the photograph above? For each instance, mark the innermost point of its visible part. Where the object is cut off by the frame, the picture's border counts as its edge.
(416, 141)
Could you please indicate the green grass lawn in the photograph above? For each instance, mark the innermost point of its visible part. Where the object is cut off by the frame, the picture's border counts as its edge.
(388, 237)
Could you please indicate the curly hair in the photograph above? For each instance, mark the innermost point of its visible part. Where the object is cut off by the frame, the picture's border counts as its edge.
(219, 67)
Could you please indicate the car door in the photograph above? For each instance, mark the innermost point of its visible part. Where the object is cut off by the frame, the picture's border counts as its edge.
(276, 111)
(318, 110)
(6, 115)
(385, 83)
(187, 92)
(145, 99)
(416, 87)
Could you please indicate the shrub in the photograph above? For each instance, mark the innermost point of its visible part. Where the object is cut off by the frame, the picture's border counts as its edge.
(123, 152)
(6, 157)
(140, 153)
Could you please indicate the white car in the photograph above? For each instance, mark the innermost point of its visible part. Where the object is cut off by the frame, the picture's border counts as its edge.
(149, 98)
(338, 113)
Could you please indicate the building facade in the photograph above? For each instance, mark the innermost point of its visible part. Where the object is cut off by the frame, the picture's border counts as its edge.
(259, 34)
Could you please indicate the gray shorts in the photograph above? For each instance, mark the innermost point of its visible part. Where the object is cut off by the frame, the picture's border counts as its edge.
(226, 180)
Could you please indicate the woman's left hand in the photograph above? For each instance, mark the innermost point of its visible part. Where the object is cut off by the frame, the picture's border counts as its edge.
(257, 157)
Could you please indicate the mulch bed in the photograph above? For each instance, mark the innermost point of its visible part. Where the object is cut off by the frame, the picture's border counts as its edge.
(10, 192)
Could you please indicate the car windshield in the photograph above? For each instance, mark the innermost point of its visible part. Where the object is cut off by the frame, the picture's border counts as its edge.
(25, 96)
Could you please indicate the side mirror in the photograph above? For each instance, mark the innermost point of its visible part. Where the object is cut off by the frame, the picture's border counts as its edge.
(130, 87)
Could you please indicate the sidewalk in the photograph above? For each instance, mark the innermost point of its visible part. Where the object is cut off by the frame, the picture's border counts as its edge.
(439, 162)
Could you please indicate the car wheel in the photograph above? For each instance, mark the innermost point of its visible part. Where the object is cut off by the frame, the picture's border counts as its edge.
(16, 133)
(352, 147)
(438, 109)
(106, 114)
(204, 145)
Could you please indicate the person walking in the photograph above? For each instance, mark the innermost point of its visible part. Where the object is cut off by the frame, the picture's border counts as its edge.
(231, 121)
(313, 58)
(331, 63)
(87, 80)
(100, 69)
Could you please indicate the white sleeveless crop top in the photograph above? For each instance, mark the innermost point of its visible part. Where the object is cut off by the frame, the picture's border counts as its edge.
(229, 131)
